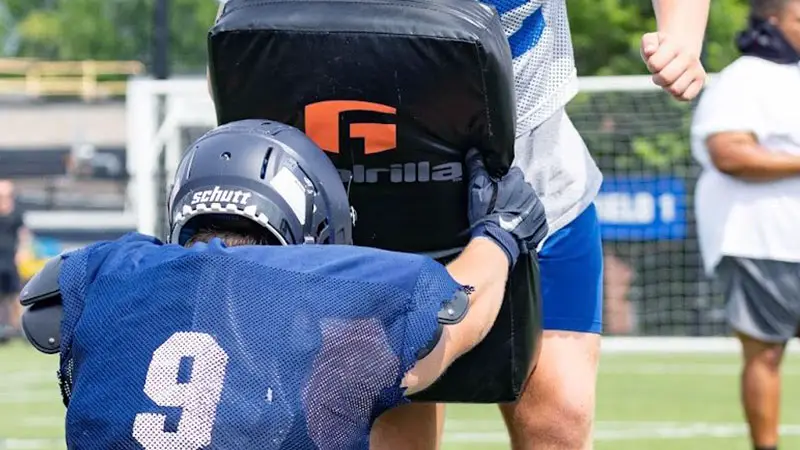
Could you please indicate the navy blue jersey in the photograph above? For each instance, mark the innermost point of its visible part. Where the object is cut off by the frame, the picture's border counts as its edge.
(251, 347)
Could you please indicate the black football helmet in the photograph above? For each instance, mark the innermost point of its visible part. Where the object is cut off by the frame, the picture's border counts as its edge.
(266, 172)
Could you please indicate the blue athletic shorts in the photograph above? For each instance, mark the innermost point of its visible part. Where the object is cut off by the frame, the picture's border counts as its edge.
(571, 265)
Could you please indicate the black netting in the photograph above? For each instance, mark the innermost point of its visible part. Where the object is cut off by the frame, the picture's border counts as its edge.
(654, 280)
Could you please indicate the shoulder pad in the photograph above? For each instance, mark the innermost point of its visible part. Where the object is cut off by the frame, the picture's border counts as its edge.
(456, 308)
(451, 313)
(44, 285)
(41, 321)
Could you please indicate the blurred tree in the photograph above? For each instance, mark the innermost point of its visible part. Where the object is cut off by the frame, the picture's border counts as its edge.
(606, 34)
(11, 11)
(19, 8)
(639, 132)
(111, 29)
(728, 18)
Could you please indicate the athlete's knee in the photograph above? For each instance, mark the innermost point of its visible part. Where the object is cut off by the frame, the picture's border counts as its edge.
(563, 421)
(574, 430)
(557, 408)
(416, 426)
(562, 425)
(765, 355)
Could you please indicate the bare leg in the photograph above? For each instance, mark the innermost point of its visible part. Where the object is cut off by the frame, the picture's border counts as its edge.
(618, 312)
(6, 317)
(417, 426)
(556, 411)
(761, 389)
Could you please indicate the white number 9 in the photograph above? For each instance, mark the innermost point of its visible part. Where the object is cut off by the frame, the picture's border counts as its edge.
(199, 397)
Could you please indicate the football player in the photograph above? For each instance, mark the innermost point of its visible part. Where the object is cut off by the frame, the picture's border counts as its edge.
(243, 330)
(556, 411)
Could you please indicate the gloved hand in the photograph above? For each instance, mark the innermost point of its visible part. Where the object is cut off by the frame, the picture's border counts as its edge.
(505, 210)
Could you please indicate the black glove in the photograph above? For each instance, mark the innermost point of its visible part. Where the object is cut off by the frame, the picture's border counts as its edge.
(505, 210)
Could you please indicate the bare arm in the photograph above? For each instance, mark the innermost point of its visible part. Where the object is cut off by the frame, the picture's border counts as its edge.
(739, 155)
(484, 266)
(683, 20)
(25, 242)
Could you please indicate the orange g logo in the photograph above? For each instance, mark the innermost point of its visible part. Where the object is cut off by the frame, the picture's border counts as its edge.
(325, 125)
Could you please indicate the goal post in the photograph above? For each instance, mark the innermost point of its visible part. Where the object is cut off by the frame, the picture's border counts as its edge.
(654, 281)
(160, 113)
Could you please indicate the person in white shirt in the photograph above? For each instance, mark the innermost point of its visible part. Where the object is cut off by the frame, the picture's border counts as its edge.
(556, 411)
(746, 136)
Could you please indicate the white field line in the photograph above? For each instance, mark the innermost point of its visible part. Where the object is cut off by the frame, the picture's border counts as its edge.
(42, 387)
(630, 368)
(679, 345)
(29, 397)
(31, 444)
(28, 377)
(617, 431)
(605, 431)
(50, 421)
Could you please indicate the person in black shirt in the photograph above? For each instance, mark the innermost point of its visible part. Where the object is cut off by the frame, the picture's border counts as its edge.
(12, 234)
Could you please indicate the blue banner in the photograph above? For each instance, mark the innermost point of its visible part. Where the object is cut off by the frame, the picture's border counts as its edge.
(642, 208)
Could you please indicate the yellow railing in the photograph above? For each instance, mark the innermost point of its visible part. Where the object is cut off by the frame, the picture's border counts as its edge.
(89, 80)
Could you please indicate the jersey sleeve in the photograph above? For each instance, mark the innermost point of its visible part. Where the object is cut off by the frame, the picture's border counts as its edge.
(434, 285)
(73, 283)
(433, 289)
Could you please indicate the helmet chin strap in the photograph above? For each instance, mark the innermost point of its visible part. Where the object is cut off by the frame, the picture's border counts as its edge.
(277, 235)
(349, 183)
(353, 214)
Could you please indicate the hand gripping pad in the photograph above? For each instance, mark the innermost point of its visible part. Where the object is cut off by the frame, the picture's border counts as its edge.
(395, 92)
(497, 369)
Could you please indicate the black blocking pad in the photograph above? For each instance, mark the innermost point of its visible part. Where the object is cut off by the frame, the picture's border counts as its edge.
(395, 92)
(497, 369)
(436, 74)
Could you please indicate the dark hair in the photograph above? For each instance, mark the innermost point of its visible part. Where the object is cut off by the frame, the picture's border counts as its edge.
(232, 230)
(764, 9)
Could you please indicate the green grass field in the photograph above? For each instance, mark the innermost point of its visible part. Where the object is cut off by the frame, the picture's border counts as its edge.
(653, 402)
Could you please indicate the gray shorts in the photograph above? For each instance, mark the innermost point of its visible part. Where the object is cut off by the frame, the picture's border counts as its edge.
(763, 297)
